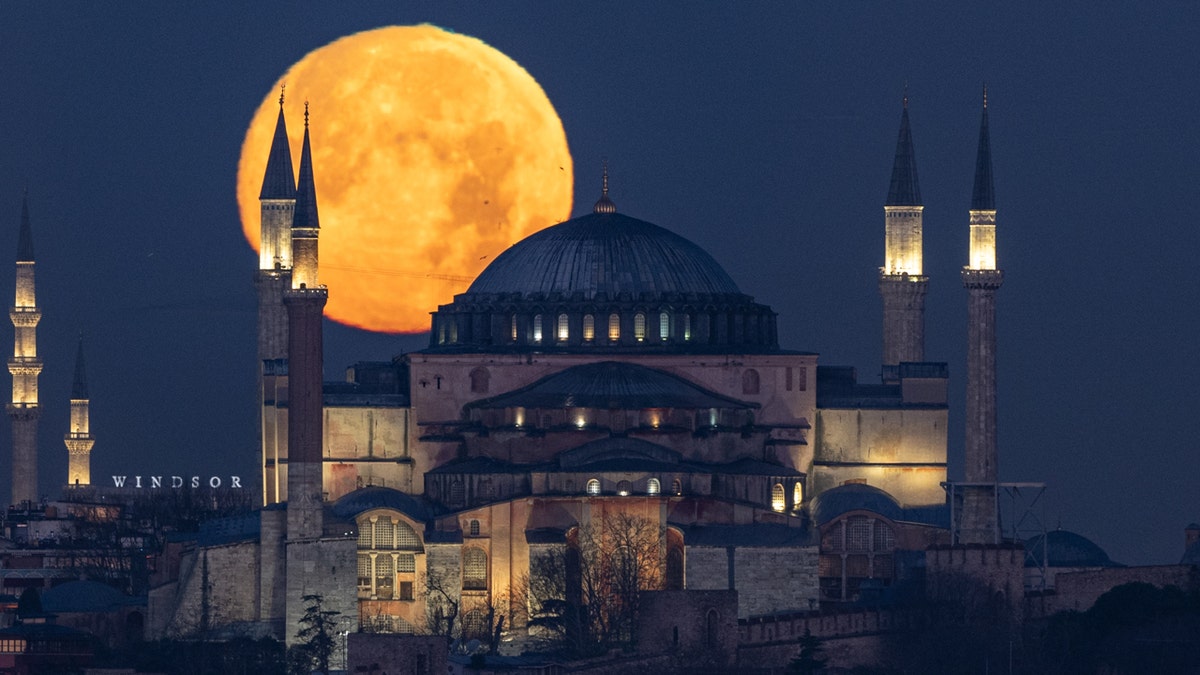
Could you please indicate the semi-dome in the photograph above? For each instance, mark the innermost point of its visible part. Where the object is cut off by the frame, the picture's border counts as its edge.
(604, 281)
(607, 253)
(1066, 549)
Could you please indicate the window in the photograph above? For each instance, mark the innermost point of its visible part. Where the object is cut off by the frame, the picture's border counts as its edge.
(614, 327)
(664, 325)
(854, 549)
(406, 562)
(406, 538)
(364, 534)
(456, 493)
(676, 487)
(788, 378)
(674, 570)
(385, 576)
(639, 327)
(406, 591)
(512, 322)
(593, 487)
(589, 328)
(474, 569)
(480, 379)
(750, 381)
(537, 327)
(653, 487)
(803, 378)
(486, 491)
(623, 488)
(453, 331)
(687, 327)
(797, 495)
(383, 533)
(474, 528)
(563, 331)
(474, 627)
(777, 501)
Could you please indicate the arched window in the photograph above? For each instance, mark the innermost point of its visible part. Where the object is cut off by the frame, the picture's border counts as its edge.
(537, 328)
(797, 495)
(778, 502)
(479, 380)
(593, 486)
(486, 489)
(614, 326)
(854, 549)
(623, 488)
(383, 533)
(712, 627)
(512, 322)
(475, 569)
(639, 327)
(750, 381)
(457, 493)
(589, 328)
(676, 487)
(453, 330)
(364, 534)
(687, 327)
(474, 626)
(664, 325)
(653, 487)
(474, 528)
(674, 569)
(563, 330)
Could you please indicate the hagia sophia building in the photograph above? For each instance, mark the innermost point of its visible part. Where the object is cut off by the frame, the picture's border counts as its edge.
(602, 371)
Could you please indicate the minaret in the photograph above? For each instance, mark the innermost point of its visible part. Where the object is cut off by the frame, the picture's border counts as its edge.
(277, 202)
(902, 282)
(305, 302)
(79, 439)
(25, 367)
(980, 523)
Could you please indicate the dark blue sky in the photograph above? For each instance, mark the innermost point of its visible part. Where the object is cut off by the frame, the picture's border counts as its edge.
(762, 131)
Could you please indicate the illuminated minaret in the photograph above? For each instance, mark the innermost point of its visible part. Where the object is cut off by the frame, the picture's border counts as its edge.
(277, 202)
(305, 302)
(25, 367)
(902, 282)
(79, 439)
(980, 523)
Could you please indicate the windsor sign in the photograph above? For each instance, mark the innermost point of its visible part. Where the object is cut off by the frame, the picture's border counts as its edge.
(175, 482)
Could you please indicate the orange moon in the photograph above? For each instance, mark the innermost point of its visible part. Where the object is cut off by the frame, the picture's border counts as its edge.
(432, 153)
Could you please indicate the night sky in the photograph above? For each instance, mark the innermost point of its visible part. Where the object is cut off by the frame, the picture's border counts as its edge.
(764, 132)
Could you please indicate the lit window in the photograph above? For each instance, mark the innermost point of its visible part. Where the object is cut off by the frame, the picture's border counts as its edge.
(453, 332)
(537, 328)
(475, 564)
(562, 327)
(383, 533)
(593, 487)
(777, 501)
(474, 528)
(589, 328)
(797, 495)
(512, 322)
(614, 327)
(687, 327)
(639, 327)
(653, 487)
(664, 325)
(623, 488)
(676, 487)
(406, 562)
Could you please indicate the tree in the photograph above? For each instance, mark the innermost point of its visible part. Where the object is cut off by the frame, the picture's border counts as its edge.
(316, 639)
(809, 660)
(30, 603)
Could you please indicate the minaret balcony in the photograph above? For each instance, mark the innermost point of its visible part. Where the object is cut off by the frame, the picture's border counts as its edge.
(24, 365)
(25, 317)
(985, 279)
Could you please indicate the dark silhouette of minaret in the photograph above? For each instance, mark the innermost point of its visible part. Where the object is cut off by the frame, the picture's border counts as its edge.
(980, 522)
(305, 302)
(25, 367)
(277, 201)
(79, 439)
(902, 282)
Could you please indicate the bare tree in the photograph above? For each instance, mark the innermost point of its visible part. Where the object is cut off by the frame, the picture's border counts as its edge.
(442, 603)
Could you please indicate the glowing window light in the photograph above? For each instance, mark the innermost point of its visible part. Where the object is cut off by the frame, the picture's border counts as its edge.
(797, 495)
(664, 325)
(519, 417)
(593, 487)
(653, 487)
(562, 327)
(777, 501)
(639, 327)
(687, 327)
(589, 328)
(580, 418)
(537, 328)
(614, 327)
(513, 327)
(623, 488)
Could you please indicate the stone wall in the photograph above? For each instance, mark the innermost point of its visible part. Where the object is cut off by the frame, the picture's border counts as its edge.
(768, 580)
(217, 586)
(700, 625)
(325, 567)
(1078, 591)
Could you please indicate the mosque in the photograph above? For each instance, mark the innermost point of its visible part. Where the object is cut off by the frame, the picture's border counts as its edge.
(604, 394)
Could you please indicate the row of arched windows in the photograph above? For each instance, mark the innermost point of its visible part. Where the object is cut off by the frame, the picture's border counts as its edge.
(779, 497)
(562, 327)
(625, 488)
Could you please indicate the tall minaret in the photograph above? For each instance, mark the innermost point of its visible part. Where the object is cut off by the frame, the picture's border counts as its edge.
(902, 282)
(79, 439)
(25, 367)
(980, 523)
(278, 203)
(305, 302)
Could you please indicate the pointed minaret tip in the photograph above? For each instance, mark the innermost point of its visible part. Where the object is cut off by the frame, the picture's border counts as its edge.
(905, 189)
(79, 388)
(25, 234)
(279, 180)
(983, 196)
(305, 215)
(604, 204)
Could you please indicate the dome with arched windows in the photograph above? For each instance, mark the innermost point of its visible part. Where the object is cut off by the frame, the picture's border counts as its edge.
(604, 281)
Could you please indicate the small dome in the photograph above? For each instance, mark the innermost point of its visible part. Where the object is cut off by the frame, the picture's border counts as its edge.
(1066, 549)
(853, 497)
(608, 253)
(375, 497)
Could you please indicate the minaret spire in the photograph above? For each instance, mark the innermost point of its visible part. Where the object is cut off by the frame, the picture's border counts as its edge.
(79, 439)
(604, 204)
(25, 366)
(277, 207)
(980, 521)
(902, 282)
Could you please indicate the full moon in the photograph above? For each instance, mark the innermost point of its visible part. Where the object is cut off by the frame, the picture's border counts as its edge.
(432, 153)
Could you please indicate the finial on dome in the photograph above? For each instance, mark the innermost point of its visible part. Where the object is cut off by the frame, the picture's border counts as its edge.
(904, 100)
(604, 204)
(306, 114)
(282, 86)
(985, 95)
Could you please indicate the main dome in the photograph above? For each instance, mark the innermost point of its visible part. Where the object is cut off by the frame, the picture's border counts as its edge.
(605, 253)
